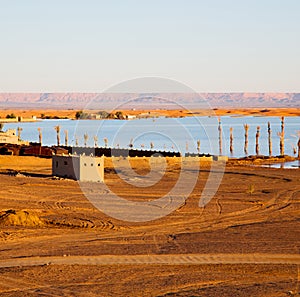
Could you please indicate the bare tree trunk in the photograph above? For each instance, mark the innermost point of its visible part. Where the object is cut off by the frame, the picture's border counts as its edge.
(57, 129)
(105, 142)
(270, 139)
(40, 140)
(40, 136)
(298, 147)
(66, 137)
(281, 135)
(131, 143)
(246, 127)
(85, 137)
(220, 136)
(198, 146)
(76, 140)
(257, 140)
(19, 129)
(231, 141)
(95, 141)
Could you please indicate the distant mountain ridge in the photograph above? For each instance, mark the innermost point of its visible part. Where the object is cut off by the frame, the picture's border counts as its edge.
(147, 100)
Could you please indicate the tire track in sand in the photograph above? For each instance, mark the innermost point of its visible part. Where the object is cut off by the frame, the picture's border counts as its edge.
(169, 259)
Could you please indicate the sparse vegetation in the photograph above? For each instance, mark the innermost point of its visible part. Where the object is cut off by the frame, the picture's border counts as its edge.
(103, 114)
(251, 189)
(81, 115)
(11, 116)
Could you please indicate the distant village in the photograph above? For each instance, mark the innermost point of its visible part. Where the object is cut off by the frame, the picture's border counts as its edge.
(84, 115)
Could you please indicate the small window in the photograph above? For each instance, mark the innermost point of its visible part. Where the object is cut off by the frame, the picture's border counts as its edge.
(99, 164)
(84, 164)
(65, 163)
(92, 164)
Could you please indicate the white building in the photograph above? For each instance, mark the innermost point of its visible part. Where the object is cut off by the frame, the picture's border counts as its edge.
(10, 136)
(78, 167)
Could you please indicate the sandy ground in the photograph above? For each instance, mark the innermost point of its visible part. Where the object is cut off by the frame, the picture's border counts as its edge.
(28, 113)
(54, 242)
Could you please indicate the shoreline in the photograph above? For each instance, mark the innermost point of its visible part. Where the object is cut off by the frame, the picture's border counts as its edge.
(27, 114)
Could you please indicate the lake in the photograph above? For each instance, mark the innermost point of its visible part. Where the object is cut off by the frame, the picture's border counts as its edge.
(170, 134)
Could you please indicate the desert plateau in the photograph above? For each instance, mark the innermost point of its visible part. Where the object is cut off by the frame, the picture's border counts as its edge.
(54, 242)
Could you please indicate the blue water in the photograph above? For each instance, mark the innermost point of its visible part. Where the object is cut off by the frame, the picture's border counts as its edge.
(179, 134)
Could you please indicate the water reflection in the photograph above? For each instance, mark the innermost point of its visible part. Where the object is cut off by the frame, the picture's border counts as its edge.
(286, 165)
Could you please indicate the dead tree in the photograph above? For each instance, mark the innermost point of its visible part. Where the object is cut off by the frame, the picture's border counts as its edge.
(257, 140)
(198, 146)
(57, 129)
(220, 136)
(131, 143)
(270, 139)
(19, 130)
(40, 136)
(298, 147)
(281, 136)
(85, 137)
(96, 141)
(66, 137)
(246, 127)
(40, 140)
(105, 142)
(231, 141)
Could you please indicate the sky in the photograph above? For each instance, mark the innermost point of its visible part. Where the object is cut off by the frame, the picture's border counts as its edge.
(92, 45)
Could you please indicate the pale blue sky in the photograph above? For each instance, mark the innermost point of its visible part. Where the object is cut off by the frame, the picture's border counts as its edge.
(90, 45)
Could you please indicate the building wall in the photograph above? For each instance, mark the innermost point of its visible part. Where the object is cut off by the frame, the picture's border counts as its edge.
(91, 168)
(9, 137)
(83, 168)
(65, 166)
